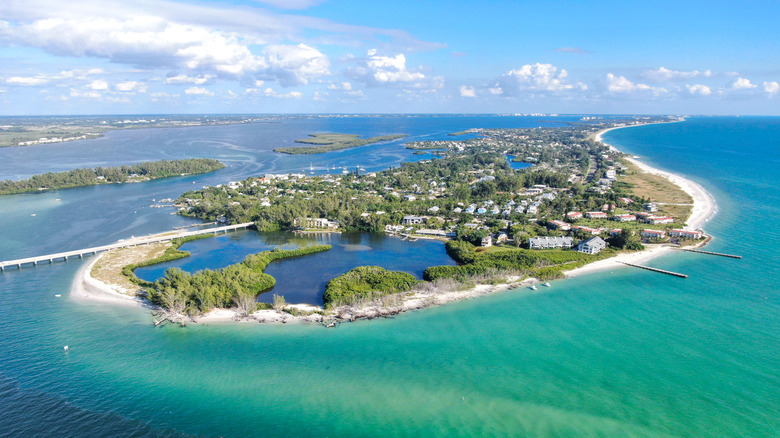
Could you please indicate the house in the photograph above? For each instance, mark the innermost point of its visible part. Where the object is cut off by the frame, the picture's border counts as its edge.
(457, 210)
(655, 220)
(624, 218)
(591, 231)
(317, 223)
(686, 234)
(615, 232)
(596, 215)
(502, 237)
(594, 245)
(487, 241)
(653, 234)
(548, 242)
(650, 206)
(560, 225)
(626, 200)
(433, 209)
(412, 220)
(410, 197)
(574, 215)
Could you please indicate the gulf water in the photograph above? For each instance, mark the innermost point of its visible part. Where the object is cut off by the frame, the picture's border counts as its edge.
(617, 353)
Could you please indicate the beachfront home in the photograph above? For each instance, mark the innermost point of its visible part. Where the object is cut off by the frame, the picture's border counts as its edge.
(596, 215)
(624, 218)
(574, 215)
(653, 234)
(686, 234)
(412, 220)
(548, 242)
(656, 220)
(560, 225)
(594, 245)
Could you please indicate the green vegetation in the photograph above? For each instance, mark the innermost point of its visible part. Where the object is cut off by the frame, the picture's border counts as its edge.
(326, 142)
(544, 265)
(107, 175)
(181, 292)
(365, 282)
(172, 253)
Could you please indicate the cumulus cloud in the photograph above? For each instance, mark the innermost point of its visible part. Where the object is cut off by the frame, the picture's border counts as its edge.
(771, 87)
(198, 91)
(295, 64)
(663, 74)
(466, 91)
(270, 92)
(184, 79)
(131, 87)
(377, 69)
(27, 81)
(98, 84)
(742, 84)
(619, 84)
(698, 90)
(534, 77)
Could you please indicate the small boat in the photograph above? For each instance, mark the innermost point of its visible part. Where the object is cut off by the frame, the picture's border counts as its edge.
(533, 287)
(547, 284)
(32, 214)
(57, 295)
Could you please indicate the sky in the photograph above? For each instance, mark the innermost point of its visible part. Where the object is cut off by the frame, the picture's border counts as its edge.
(423, 56)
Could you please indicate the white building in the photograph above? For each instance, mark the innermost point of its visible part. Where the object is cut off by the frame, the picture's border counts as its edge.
(594, 245)
(548, 242)
(686, 234)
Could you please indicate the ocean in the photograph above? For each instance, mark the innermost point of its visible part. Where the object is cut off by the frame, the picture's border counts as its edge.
(616, 353)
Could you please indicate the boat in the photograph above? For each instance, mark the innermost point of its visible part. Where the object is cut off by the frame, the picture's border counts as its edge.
(32, 214)
(547, 284)
(533, 287)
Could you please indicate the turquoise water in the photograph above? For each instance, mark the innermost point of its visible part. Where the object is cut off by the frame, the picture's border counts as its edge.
(620, 353)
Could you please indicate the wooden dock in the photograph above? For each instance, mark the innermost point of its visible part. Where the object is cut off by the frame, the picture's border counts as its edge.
(710, 253)
(80, 253)
(662, 271)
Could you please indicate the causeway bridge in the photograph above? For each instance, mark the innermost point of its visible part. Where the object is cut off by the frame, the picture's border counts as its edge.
(80, 253)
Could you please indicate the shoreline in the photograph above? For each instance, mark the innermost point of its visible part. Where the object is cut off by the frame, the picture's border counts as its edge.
(704, 208)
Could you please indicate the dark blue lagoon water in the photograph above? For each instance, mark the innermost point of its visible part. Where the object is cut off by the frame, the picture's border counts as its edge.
(303, 279)
(620, 353)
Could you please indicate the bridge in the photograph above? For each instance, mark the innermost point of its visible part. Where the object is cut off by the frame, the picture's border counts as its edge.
(80, 253)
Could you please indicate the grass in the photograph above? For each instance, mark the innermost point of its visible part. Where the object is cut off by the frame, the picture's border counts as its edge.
(659, 190)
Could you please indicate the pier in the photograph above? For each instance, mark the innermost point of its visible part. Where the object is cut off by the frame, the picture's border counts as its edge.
(662, 271)
(711, 253)
(80, 253)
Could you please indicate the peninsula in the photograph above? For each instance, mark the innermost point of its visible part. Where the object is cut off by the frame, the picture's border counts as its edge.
(326, 142)
(581, 206)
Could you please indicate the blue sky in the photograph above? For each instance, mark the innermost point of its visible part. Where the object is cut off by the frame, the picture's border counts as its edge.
(345, 56)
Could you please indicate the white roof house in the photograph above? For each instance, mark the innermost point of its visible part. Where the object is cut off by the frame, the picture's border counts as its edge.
(594, 245)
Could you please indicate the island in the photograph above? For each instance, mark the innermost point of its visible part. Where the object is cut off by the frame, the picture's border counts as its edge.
(326, 142)
(110, 175)
(583, 205)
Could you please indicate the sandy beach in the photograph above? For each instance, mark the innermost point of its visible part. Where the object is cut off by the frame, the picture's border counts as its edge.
(86, 287)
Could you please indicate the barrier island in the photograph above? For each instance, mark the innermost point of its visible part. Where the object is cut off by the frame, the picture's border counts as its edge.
(110, 175)
(582, 205)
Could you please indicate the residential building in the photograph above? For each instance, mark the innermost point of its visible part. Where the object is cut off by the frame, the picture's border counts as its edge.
(561, 225)
(650, 206)
(412, 220)
(316, 223)
(653, 234)
(487, 240)
(596, 215)
(624, 217)
(686, 234)
(594, 245)
(549, 242)
(655, 220)
(592, 231)
(574, 215)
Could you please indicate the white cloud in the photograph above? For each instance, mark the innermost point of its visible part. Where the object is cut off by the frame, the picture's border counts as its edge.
(742, 84)
(534, 77)
(88, 94)
(198, 91)
(698, 89)
(184, 79)
(345, 86)
(619, 84)
(98, 84)
(295, 64)
(27, 81)
(377, 69)
(466, 91)
(771, 87)
(663, 74)
(291, 4)
(131, 87)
